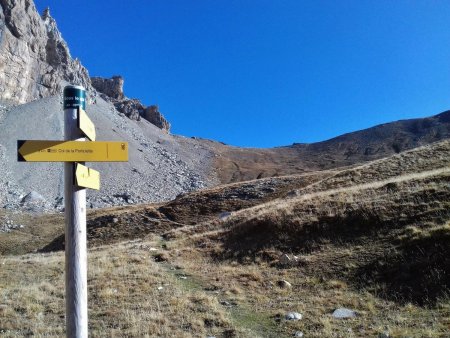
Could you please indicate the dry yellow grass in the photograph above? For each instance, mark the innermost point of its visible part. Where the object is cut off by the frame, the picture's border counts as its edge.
(374, 238)
(129, 296)
(253, 287)
(124, 299)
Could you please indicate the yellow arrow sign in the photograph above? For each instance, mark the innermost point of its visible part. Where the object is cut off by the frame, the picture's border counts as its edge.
(86, 177)
(85, 124)
(72, 151)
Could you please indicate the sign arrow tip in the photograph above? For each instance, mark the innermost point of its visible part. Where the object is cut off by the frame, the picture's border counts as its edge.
(20, 158)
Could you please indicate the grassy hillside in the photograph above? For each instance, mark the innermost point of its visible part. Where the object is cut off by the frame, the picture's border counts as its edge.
(373, 238)
(236, 164)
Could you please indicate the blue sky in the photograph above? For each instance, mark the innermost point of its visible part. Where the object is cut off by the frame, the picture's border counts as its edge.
(268, 73)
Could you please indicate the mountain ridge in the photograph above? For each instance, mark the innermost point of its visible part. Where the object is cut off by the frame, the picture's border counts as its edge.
(37, 64)
(344, 150)
(193, 237)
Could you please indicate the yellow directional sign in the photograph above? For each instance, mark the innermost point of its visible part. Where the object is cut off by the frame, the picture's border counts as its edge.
(86, 177)
(72, 151)
(85, 124)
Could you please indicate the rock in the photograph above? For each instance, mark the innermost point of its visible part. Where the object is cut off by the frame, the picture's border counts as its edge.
(35, 61)
(125, 196)
(112, 87)
(161, 257)
(292, 193)
(8, 226)
(224, 215)
(152, 114)
(302, 260)
(298, 334)
(293, 316)
(342, 313)
(289, 260)
(132, 108)
(33, 197)
(284, 284)
(112, 90)
(285, 259)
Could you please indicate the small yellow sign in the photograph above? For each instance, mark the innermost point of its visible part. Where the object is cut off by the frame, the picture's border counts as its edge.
(72, 151)
(86, 177)
(85, 124)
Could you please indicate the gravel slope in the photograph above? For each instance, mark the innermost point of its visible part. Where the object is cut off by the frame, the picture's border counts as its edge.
(160, 166)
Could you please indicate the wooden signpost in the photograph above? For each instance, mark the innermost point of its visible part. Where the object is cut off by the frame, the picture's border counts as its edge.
(86, 177)
(74, 152)
(85, 124)
(71, 151)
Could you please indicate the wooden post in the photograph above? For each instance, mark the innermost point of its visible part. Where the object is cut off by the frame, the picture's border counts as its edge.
(70, 152)
(75, 214)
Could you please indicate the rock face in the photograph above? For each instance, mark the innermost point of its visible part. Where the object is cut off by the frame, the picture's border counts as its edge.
(131, 108)
(152, 114)
(112, 90)
(112, 87)
(35, 61)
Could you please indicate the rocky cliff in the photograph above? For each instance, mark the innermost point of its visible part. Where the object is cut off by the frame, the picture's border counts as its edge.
(35, 61)
(112, 90)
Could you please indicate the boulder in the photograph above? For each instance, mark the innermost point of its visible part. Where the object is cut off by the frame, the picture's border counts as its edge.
(112, 87)
(285, 259)
(291, 260)
(33, 197)
(224, 215)
(284, 284)
(293, 316)
(384, 335)
(34, 201)
(342, 313)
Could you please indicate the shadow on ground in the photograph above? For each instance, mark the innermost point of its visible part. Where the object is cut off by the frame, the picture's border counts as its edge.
(418, 271)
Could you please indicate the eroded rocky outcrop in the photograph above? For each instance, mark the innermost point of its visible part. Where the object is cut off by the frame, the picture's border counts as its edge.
(112, 88)
(152, 114)
(112, 91)
(35, 61)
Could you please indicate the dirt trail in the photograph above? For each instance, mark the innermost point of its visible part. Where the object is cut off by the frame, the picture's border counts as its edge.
(246, 320)
(373, 185)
